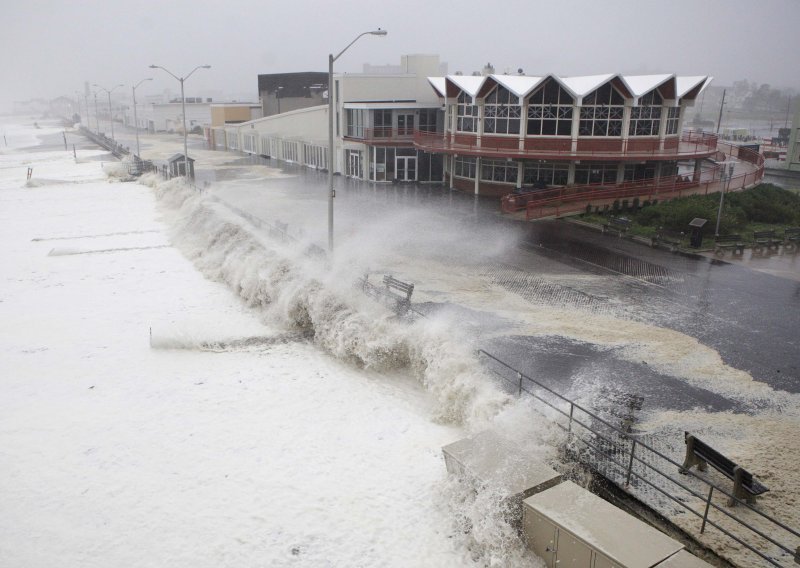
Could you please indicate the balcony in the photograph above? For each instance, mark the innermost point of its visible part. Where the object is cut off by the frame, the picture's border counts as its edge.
(690, 145)
(381, 136)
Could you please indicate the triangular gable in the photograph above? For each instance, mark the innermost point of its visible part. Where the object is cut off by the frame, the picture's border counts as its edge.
(520, 85)
(439, 85)
(640, 85)
(690, 87)
(581, 86)
(470, 84)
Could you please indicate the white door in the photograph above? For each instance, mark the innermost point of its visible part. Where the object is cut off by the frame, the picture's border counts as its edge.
(406, 168)
(354, 164)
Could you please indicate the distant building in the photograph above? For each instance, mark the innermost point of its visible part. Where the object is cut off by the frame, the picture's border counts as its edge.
(168, 117)
(284, 92)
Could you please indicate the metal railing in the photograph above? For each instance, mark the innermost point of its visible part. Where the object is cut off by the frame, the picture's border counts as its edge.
(573, 199)
(690, 144)
(380, 134)
(636, 467)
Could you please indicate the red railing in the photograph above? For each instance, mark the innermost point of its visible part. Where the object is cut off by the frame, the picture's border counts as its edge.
(691, 144)
(380, 135)
(568, 200)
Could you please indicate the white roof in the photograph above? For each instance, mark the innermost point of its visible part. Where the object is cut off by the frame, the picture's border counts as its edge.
(470, 84)
(581, 86)
(520, 85)
(440, 84)
(643, 84)
(686, 84)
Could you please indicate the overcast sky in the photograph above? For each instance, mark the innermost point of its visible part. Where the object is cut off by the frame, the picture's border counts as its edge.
(49, 48)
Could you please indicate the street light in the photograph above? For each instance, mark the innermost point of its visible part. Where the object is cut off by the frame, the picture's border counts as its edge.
(331, 194)
(135, 118)
(183, 110)
(110, 115)
(96, 119)
(731, 167)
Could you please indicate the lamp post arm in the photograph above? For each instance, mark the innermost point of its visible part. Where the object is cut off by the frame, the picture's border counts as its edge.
(359, 36)
(193, 70)
(166, 70)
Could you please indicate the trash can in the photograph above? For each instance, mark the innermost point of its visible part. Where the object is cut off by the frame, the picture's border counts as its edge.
(696, 237)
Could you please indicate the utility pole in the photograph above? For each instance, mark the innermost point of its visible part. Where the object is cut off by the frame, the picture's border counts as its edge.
(719, 119)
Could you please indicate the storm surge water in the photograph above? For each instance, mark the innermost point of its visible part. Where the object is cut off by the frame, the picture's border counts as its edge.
(315, 298)
(306, 294)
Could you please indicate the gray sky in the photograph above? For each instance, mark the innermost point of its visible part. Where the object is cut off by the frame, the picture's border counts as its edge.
(48, 48)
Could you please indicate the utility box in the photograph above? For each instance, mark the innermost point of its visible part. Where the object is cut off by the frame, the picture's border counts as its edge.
(683, 559)
(696, 238)
(567, 525)
(489, 460)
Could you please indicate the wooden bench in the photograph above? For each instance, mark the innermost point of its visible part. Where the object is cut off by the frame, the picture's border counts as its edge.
(791, 237)
(403, 299)
(698, 453)
(671, 239)
(618, 225)
(763, 239)
(728, 242)
(401, 303)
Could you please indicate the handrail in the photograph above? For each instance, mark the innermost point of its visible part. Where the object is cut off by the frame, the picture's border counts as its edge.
(551, 202)
(690, 144)
(629, 470)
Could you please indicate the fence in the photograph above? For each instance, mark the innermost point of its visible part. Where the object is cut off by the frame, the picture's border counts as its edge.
(632, 463)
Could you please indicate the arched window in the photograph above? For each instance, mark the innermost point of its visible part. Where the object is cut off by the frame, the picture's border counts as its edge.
(646, 118)
(501, 112)
(601, 113)
(550, 111)
(466, 114)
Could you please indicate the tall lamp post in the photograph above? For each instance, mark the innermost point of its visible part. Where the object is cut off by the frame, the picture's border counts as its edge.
(110, 114)
(96, 119)
(136, 118)
(183, 110)
(331, 161)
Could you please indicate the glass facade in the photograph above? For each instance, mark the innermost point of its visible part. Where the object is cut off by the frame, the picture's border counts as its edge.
(547, 173)
(466, 114)
(501, 112)
(602, 112)
(550, 111)
(646, 118)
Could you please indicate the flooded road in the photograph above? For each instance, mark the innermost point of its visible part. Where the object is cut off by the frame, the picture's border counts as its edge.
(440, 240)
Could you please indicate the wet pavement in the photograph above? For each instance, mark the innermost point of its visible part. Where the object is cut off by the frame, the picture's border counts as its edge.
(748, 310)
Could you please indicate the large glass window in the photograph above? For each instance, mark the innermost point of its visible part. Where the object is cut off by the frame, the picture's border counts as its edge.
(466, 114)
(355, 123)
(595, 173)
(465, 167)
(501, 112)
(646, 118)
(427, 120)
(673, 119)
(382, 123)
(550, 111)
(499, 170)
(547, 173)
(601, 113)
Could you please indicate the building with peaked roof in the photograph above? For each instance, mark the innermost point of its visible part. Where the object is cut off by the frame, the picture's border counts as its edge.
(493, 134)
(510, 132)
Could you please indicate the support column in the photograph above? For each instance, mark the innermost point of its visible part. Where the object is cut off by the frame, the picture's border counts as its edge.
(520, 174)
(571, 174)
(698, 167)
(662, 125)
(576, 127)
(477, 175)
(452, 160)
(523, 124)
(626, 124)
(620, 172)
